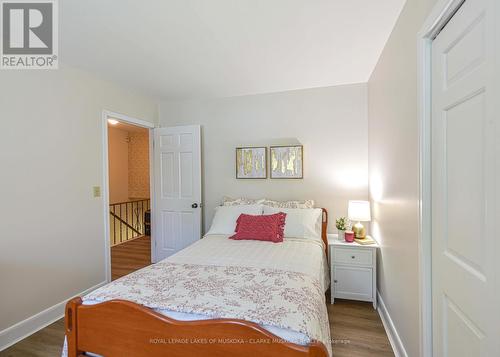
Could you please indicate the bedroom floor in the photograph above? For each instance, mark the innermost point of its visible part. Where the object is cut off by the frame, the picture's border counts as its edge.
(356, 328)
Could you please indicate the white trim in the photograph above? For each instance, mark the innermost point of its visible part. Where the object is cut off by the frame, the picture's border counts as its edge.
(439, 16)
(32, 324)
(105, 196)
(424, 218)
(390, 329)
(152, 194)
(106, 114)
(128, 119)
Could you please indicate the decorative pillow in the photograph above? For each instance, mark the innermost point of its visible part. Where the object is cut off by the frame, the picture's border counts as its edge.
(288, 204)
(228, 201)
(224, 221)
(300, 222)
(263, 227)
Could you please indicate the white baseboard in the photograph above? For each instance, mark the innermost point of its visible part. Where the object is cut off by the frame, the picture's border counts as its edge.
(390, 329)
(23, 329)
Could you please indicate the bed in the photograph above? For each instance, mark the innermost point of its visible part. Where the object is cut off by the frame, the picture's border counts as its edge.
(217, 297)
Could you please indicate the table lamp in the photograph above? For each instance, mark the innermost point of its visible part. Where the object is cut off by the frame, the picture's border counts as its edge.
(359, 211)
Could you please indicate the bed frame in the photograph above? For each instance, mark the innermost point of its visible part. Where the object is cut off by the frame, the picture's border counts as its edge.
(120, 328)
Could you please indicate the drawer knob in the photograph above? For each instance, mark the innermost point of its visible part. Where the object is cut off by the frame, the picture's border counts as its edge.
(353, 256)
(335, 281)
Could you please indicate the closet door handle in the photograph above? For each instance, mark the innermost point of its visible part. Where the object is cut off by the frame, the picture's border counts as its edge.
(194, 205)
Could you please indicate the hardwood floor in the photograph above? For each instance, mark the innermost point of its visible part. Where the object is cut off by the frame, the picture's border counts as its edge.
(130, 256)
(356, 328)
(45, 343)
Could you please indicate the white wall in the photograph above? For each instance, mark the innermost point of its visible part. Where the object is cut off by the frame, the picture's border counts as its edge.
(394, 171)
(118, 172)
(52, 233)
(330, 122)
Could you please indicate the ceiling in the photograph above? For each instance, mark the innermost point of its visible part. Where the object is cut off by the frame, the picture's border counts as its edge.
(128, 127)
(176, 49)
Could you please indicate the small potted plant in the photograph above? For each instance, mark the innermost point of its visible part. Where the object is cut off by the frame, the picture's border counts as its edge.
(342, 224)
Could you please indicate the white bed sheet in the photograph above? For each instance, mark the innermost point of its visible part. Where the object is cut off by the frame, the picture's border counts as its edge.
(301, 255)
(306, 256)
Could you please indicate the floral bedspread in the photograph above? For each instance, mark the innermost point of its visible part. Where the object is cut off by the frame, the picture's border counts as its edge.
(284, 299)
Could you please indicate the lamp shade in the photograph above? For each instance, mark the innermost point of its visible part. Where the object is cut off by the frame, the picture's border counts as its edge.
(359, 211)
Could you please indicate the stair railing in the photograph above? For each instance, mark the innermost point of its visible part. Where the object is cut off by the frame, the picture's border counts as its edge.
(127, 220)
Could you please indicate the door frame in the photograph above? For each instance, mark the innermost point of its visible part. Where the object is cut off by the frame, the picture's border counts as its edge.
(439, 16)
(107, 114)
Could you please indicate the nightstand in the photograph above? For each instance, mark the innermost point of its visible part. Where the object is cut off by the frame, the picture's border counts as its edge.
(353, 270)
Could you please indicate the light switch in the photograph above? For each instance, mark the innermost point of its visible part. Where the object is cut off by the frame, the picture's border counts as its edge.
(97, 191)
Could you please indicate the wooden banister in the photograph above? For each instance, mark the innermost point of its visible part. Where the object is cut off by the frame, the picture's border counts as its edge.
(124, 223)
(127, 220)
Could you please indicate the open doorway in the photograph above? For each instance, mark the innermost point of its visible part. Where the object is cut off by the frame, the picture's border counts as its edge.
(128, 193)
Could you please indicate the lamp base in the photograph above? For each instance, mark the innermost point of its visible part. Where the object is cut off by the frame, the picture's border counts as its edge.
(359, 230)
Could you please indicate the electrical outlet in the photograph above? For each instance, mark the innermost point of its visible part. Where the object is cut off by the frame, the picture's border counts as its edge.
(97, 191)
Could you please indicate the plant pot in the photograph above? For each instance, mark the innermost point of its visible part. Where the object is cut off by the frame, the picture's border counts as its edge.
(341, 234)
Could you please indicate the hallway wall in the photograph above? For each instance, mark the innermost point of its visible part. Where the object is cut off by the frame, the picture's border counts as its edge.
(118, 158)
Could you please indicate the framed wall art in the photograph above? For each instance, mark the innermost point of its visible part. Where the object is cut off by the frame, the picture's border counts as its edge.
(287, 162)
(251, 163)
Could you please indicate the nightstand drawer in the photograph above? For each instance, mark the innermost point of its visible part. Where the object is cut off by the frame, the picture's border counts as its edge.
(352, 256)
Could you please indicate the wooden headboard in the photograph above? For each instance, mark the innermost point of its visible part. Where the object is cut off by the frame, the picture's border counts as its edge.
(324, 229)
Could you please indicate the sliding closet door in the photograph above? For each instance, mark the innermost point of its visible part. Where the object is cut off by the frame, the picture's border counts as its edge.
(466, 184)
(177, 182)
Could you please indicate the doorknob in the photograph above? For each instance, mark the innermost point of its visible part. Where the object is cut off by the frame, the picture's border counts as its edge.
(194, 205)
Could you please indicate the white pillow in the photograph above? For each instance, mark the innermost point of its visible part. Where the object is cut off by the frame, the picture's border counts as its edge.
(300, 222)
(224, 221)
(228, 201)
(288, 204)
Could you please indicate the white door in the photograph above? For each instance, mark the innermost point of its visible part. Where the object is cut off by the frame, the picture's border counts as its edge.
(466, 183)
(177, 183)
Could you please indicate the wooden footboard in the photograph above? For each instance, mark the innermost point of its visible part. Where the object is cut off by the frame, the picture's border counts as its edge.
(121, 328)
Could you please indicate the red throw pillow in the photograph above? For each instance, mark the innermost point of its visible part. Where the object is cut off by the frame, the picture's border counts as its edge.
(264, 227)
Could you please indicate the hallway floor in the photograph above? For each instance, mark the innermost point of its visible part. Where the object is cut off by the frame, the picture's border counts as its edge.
(130, 256)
